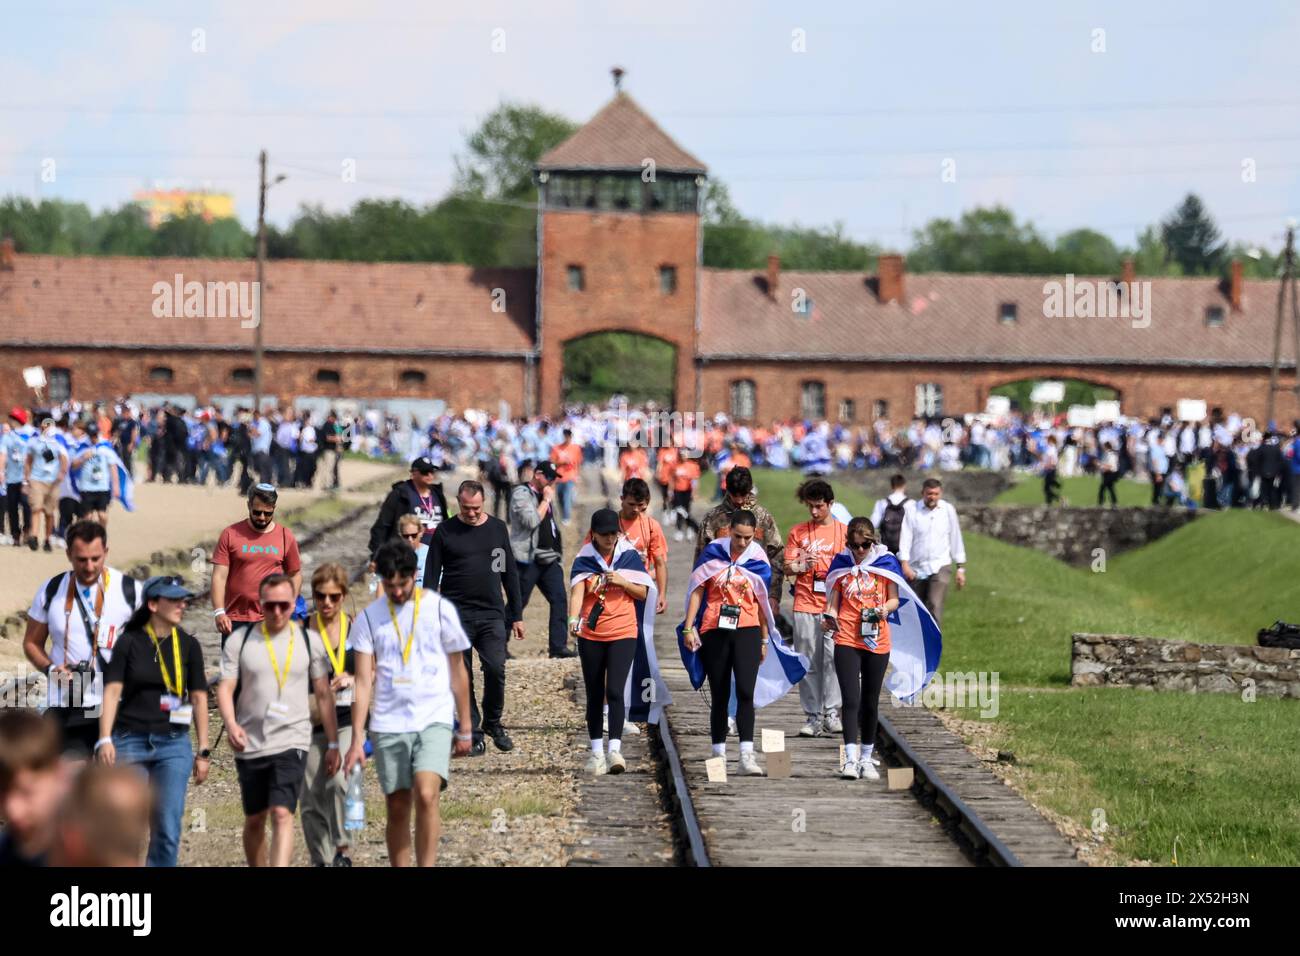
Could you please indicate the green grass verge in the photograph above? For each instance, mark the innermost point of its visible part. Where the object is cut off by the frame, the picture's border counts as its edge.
(1079, 491)
(1211, 773)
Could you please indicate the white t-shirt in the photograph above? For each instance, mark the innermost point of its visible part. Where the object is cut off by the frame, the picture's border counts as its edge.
(63, 621)
(411, 696)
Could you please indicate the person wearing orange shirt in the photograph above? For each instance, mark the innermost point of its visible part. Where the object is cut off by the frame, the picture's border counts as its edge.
(602, 616)
(645, 534)
(633, 462)
(857, 609)
(567, 459)
(732, 642)
(686, 474)
(665, 463)
(808, 553)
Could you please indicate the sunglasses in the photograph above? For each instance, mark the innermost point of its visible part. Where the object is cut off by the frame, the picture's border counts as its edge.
(277, 607)
(327, 596)
(412, 536)
(259, 513)
(863, 546)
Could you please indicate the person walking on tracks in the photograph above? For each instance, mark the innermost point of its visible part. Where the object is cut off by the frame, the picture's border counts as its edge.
(471, 563)
(410, 645)
(154, 691)
(929, 545)
(808, 553)
(858, 604)
(322, 801)
(728, 623)
(888, 513)
(268, 670)
(538, 546)
(608, 591)
(741, 495)
(247, 552)
(421, 494)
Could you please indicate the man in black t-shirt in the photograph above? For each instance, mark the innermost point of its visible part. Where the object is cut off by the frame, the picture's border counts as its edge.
(470, 563)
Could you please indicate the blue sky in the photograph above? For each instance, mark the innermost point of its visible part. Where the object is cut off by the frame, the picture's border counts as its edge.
(854, 129)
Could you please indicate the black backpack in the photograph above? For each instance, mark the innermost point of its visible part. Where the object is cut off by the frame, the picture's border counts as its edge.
(52, 588)
(1280, 634)
(891, 524)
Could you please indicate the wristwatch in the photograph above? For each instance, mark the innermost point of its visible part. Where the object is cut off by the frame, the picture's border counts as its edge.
(205, 753)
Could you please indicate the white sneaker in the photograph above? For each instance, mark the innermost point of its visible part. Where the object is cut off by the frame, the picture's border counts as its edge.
(630, 729)
(614, 762)
(596, 764)
(867, 770)
(849, 770)
(811, 728)
(6, 539)
(732, 731)
(749, 765)
(833, 725)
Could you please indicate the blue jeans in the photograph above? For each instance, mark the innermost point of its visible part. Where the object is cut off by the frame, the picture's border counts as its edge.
(566, 490)
(168, 759)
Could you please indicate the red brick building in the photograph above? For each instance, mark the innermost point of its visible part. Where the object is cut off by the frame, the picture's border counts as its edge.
(620, 250)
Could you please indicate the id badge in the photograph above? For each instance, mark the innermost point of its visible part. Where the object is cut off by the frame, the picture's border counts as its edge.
(277, 712)
(104, 636)
(870, 633)
(344, 697)
(183, 715)
(819, 585)
(169, 703)
(729, 617)
(402, 680)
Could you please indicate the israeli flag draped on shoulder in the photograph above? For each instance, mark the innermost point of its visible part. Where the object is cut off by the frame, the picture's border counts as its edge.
(72, 449)
(914, 636)
(783, 667)
(644, 702)
(125, 486)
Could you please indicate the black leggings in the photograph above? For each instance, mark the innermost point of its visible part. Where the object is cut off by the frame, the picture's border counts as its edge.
(725, 653)
(16, 506)
(1108, 479)
(861, 673)
(605, 666)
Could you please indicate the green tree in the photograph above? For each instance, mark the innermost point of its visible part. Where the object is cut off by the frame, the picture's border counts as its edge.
(1151, 257)
(1192, 238)
(983, 240)
(500, 154)
(1087, 252)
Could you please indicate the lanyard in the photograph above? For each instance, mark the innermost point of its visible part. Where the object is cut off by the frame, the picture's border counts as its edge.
(179, 688)
(280, 679)
(343, 640)
(415, 620)
(74, 593)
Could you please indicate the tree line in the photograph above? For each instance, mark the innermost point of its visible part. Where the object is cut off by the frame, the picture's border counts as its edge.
(488, 219)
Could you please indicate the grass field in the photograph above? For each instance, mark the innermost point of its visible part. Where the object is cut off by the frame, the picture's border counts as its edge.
(1078, 491)
(1211, 771)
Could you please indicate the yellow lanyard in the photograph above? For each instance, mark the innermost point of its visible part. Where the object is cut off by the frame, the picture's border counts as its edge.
(343, 640)
(415, 620)
(179, 687)
(280, 679)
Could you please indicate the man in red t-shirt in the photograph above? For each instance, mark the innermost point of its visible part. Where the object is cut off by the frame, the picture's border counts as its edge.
(567, 459)
(247, 552)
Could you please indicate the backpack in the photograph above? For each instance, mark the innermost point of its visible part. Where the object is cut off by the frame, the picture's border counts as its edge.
(52, 588)
(1280, 634)
(891, 524)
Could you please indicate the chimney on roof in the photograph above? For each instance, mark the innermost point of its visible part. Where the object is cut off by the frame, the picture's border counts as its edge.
(1129, 275)
(773, 275)
(6, 255)
(889, 278)
(1236, 287)
(617, 72)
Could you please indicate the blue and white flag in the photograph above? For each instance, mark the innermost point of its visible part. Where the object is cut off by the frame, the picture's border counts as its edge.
(783, 667)
(915, 641)
(645, 694)
(815, 453)
(125, 485)
(68, 489)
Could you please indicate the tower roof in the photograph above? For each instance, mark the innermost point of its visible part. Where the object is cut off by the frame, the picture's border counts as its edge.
(620, 137)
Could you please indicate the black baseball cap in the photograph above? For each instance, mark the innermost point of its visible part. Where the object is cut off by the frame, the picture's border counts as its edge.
(547, 471)
(605, 521)
(423, 465)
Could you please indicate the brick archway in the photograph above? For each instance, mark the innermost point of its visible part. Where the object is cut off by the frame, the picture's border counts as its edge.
(637, 373)
(1032, 374)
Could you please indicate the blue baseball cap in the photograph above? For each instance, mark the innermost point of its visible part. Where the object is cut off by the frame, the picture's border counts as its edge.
(166, 586)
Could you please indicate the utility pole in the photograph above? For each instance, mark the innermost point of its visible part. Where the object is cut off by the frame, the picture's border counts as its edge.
(261, 288)
(1288, 279)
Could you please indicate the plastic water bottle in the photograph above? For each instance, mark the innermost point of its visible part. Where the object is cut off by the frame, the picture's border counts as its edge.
(372, 582)
(354, 804)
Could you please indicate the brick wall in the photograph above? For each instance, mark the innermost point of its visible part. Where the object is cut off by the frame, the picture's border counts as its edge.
(966, 387)
(620, 255)
(105, 373)
(1073, 535)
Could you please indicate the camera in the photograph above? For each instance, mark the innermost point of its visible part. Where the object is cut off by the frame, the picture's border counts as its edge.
(47, 455)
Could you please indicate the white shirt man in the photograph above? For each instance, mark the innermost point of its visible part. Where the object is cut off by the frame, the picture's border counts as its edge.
(929, 545)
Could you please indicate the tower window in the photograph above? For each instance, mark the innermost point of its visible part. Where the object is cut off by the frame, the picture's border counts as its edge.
(577, 282)
(667, 279)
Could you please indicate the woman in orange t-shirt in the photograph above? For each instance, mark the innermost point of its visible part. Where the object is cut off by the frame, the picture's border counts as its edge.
(665, 463)
(606, 649)
(732, 642)
(856, 611)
